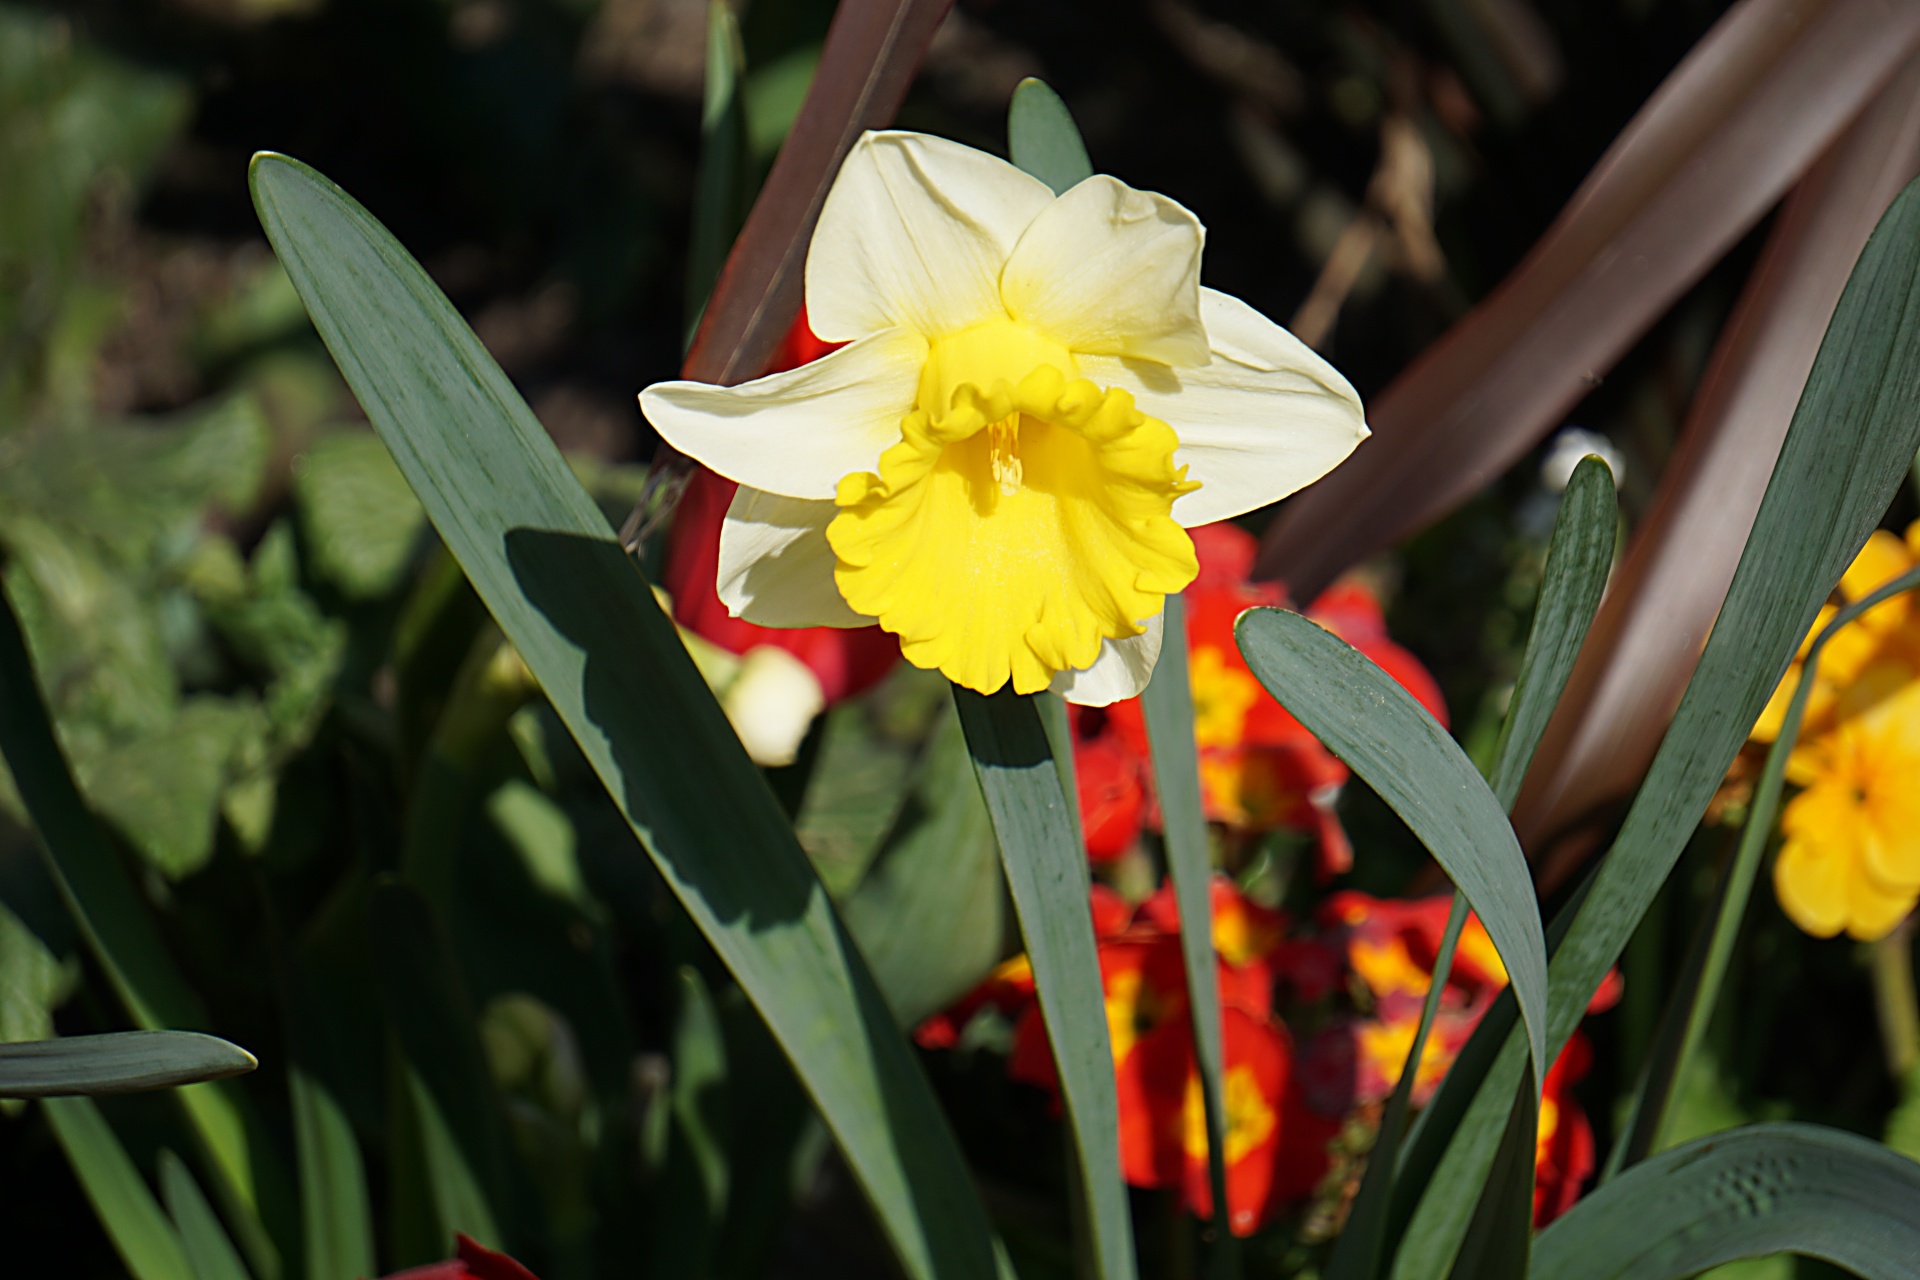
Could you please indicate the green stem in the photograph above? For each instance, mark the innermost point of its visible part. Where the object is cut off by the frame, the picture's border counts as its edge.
(1894, 999)
(1046, 868)
(1168, 704)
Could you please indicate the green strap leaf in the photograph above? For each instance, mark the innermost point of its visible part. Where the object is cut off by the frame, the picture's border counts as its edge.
(1748, 1193)
(1043, 138)
(721, 196)
(1853, 437)
(141, 1233)
(930, 916)
(436, 1028)
(1575, 577)
(118, 1062)
(1365, 717)
(1046, 867)
(1168, 704)
(542, 558)
(1578, 559)
(208, 1250)
(334, 1210)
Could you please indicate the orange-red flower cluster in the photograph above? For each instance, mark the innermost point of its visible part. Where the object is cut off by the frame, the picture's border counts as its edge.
(1389, 948)
(1275, 1147)
(1259, 767)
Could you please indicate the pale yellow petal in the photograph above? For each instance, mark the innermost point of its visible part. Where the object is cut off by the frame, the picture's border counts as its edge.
(796, 433)
(915, 233)
(1120, 672)
(1111, 271)
(776, 568)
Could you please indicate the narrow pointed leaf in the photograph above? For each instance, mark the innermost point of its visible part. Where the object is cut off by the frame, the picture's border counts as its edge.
(1716, 145)
(1681, 558)
(1853, 437)
(1500, 1234)
(719, 199)
(436, 1028)
(209, 1251)
(1043, 138)
(1747, 1193)
(1046, 868)
(141, 1233)
(1578, 557)
(1398, 748)
(118, 1062)
(1572, 584)
(577, 610)
(334, 1210)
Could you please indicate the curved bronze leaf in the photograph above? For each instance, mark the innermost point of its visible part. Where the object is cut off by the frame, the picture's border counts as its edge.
(1743, 116)
(871, 53)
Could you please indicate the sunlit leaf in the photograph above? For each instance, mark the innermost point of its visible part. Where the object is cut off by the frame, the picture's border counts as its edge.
(1046, 869)
(543, 559)
(1746, 1193)
(117, 1062)
(1853, 437)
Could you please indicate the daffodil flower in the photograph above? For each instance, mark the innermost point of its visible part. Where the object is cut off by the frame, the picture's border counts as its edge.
(1036, 399)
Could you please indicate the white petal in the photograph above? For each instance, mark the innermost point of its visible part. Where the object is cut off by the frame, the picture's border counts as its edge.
(798, 432)
(915, 233)
(776, 568)
(1121, 671)
(1113, 271)
(772, 703)
(1265, 418)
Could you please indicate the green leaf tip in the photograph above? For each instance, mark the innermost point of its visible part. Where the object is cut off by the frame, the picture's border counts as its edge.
(118, 1062)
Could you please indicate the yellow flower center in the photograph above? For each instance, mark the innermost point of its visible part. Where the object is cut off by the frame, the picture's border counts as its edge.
(1385, 1046)
(1134, 1008)
(1223, 693)
(1024, 517)
(1250, 1119)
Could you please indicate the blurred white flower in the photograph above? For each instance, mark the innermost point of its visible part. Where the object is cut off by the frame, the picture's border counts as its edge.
(1571, 445)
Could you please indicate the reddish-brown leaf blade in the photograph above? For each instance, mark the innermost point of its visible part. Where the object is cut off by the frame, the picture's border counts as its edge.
(871, 53)
(1753, 104)
(1643, 645)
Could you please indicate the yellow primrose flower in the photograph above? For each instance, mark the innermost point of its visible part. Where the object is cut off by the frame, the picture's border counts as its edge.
(1851, 859)
(1036, 399)
(1888, 633)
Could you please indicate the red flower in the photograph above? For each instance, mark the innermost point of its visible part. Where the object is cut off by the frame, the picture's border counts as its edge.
(1270, 1158)
(1161, 1107)
(1259, 767)
(471, 1262)
(1113, 795)
(1391, 946)
(1009, 988)
(844, 661)
(1564, 1154)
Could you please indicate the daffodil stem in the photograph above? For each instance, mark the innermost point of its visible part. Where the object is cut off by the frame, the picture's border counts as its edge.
(1894, 998)
(1168, 704)
(1046, 869)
